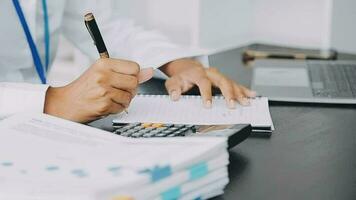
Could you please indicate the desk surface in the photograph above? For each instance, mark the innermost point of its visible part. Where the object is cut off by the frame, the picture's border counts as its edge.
(311, 155)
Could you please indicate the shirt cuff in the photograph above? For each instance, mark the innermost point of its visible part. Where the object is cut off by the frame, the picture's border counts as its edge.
(204, 60)
(21, 97)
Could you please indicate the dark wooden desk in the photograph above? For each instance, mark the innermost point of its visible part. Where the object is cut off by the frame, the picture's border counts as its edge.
(311, 155)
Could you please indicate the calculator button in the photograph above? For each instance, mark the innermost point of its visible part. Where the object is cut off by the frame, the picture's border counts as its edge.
(184, 129)
(161, 129)
(171, 135)
(143, 131)
(149, 129)
(123, 129)
(179, 133)
(174, 129)
(117, 126)
(130, 126)
(169, 125)
(126, 134)
(148, 135)
(179, 125)
(190, 126)
(155, 131)
(118, 132)
(157, 125)
(167, 132)
(146, 125)
(137, 134)
(131, 131)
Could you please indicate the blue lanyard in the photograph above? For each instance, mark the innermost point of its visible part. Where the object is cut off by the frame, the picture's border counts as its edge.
(41, 71)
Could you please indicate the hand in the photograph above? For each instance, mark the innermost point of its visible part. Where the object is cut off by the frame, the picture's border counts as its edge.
(107, 87)
(185, 73)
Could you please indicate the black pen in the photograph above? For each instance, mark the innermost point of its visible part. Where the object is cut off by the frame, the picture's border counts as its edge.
(94, 32)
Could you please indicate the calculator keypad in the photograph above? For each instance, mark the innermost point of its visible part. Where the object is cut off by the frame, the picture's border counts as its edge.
(148, 130)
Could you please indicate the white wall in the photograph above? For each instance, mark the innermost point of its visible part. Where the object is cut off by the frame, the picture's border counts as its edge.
(220, 24)
(193, 22)
(177, 19)
(343, 35)
(302, 23)
(225, 24)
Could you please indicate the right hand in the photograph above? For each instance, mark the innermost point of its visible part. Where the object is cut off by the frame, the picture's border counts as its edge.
(107, 87)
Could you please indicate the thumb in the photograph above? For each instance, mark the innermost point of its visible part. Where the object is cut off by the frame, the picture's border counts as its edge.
(145, 75)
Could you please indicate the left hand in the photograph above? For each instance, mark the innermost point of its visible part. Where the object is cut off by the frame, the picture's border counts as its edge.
(186, 73)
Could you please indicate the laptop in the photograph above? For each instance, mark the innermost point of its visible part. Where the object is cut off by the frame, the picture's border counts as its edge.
(305, 81)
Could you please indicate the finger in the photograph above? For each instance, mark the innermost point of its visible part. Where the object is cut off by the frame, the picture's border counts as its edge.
(121, 97)
(145, 75)
(204, 85)
(133, 93)
(249, 93)
(225, 85)
(119, 66)
(174, 88)
(240, 96)
(123, 82)
(116, 108)
(227, 89)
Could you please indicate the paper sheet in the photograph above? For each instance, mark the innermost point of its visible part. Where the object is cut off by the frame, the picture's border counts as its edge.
(189, 110)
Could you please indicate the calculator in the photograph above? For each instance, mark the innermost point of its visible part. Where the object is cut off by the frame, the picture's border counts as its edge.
(235, 133)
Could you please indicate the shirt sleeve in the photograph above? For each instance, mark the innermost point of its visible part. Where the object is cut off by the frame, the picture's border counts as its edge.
(123, 38)
(21, 97)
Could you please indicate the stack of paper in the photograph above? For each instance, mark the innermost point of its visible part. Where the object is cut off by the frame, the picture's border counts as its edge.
(43, 157)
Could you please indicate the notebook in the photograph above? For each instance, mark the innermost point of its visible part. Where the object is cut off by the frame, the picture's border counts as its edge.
(190, 110)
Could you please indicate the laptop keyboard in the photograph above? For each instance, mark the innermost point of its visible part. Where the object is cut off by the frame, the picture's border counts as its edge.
(333, 80)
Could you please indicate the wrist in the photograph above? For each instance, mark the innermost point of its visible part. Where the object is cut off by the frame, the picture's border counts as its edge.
(177, 66)
(53, 101)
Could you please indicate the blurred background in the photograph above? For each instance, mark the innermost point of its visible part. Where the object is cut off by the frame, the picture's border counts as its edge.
(214, 26)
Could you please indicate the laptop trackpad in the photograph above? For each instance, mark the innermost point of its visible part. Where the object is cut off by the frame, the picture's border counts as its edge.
(278, 76)
(280, 83)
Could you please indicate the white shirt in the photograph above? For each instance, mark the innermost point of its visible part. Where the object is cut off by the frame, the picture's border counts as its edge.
(20, 88)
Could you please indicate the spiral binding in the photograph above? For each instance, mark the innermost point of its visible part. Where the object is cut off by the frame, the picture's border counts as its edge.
(189, 96)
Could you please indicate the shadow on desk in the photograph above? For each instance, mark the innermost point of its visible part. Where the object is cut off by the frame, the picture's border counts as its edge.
(238, 164)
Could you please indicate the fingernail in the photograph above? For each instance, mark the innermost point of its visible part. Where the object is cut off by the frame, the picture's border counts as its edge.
(174, 95)
(232, 104)
(208, 104)
(253, 94)
(245, 102)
